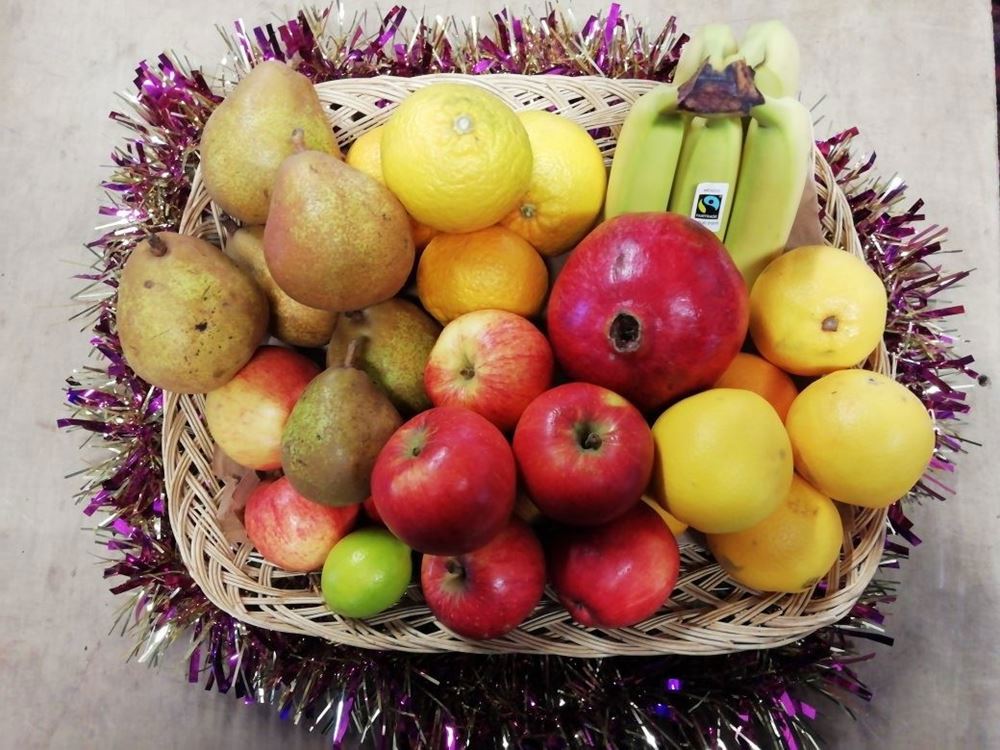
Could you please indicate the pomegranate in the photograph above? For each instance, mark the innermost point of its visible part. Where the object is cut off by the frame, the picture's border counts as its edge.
(649, 305)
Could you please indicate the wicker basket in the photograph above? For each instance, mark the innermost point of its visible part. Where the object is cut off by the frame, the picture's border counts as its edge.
(707, 614)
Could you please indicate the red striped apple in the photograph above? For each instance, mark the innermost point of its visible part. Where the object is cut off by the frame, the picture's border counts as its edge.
(615, 575)
(445, 482)
(491, 590)
(292, 532)
(247, 415)
(491, 361)
(585, 453)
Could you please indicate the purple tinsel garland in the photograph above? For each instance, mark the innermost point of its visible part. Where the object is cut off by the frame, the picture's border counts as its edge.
(459, 700)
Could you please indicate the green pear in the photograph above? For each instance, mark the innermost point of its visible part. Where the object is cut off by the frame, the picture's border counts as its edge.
(292, 322)
(249, 134)
(335, 239)
(398, 338)
(188, 317)
(334, 434)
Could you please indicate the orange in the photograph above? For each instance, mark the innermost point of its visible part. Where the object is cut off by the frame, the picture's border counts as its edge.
(456, 156)
(817, 309)
(790, 550)
(492, 269)
(749, 372)
(365, 155)
(567, 186)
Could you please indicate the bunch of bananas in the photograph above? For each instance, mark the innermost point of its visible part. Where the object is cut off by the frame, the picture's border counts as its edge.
(727, 143)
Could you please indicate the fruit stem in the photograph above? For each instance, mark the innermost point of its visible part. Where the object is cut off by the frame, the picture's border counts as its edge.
(299, 140)
(455, 569)
(720, 92)
(830, 323)
(157, 246)
(592, 442)
(354, 351)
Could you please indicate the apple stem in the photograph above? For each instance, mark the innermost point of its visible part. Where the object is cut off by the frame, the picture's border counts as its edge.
(455, 569)
(354, 351)
(592, 442)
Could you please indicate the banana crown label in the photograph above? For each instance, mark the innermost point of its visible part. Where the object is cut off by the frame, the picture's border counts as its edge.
(709, 204)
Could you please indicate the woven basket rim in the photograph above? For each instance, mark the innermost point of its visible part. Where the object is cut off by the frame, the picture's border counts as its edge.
(707, 613)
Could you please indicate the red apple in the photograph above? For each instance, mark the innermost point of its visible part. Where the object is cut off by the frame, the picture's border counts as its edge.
(615, 575)
(585, 453)
(247, 415)
(491, 361)
(445, 482)
(648, 305)
(292, 532)
(371, 510)
(489, 591)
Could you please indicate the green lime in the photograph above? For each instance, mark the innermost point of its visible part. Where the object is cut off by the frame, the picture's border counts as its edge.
(365, 573)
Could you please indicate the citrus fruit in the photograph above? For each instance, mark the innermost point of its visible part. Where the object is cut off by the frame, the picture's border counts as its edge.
(817, 309)
(567, 185)
(752, 373)
(790, 550)
(676, 526)
(723, 460)
(860, 437)
(365, 573)
(492, 269)
(365, 155)
(456, 156)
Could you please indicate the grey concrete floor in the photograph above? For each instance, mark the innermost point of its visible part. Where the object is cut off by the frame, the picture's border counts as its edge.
(915, 75)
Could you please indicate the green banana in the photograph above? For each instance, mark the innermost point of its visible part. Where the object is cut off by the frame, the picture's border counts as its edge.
(712, 42)
(777, 160)
(649, 145)
(707, 171)
(772, 52)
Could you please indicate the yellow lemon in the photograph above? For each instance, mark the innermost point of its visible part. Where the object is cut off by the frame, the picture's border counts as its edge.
(817, 309)
(790, 550)
(492, 269)
(860, 437)
(568, 181)
(365, 155)
(723, 460)
(456, 156)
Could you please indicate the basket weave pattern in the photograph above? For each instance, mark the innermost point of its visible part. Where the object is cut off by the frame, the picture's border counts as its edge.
(707, 614)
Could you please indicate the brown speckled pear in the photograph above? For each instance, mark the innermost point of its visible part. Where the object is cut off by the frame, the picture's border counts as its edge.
(248, 136)
(336, 239)
(334, 434)
(399, 337)
(291, 321)
(188, 317)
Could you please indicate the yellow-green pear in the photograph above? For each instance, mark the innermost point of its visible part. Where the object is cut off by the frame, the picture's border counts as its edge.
(291, 321)
(188, 317)
(249, 134)
(397, 340)
(335, 238)
(335, 433)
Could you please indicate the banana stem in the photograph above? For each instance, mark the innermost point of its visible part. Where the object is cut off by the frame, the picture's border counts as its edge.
(720, 92)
